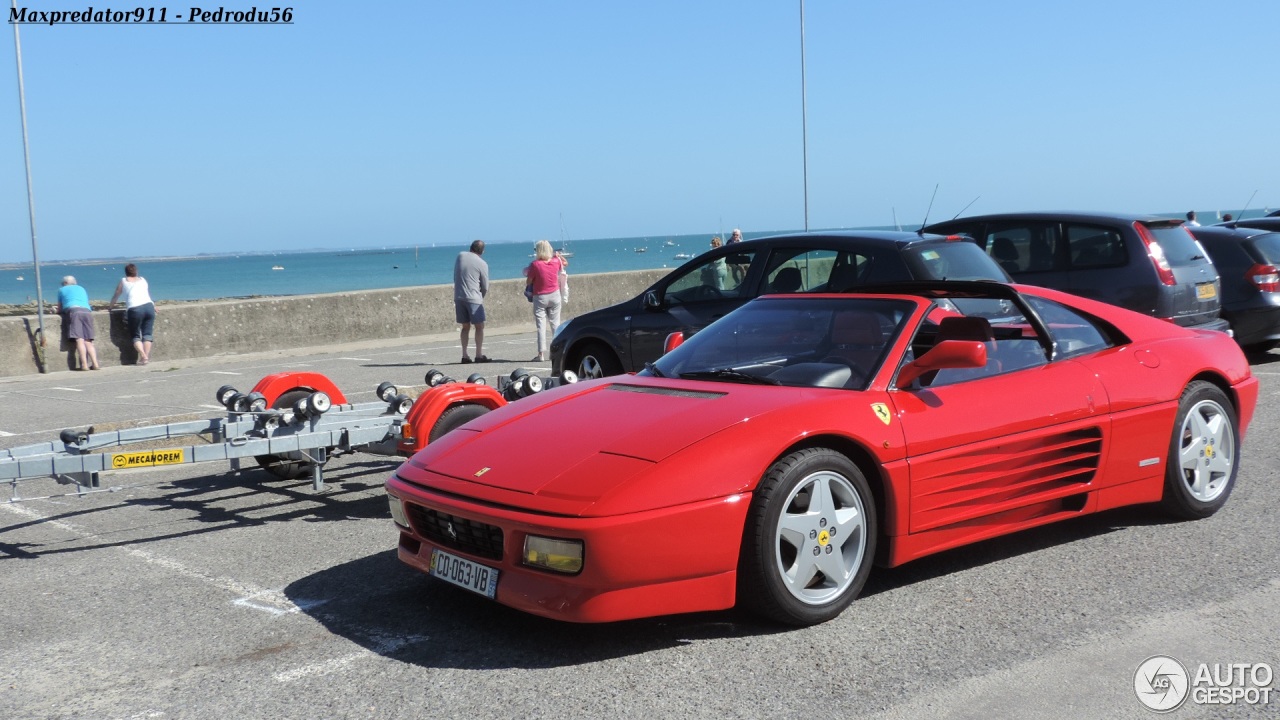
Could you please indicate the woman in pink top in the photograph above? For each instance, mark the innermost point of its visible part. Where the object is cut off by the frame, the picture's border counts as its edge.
(543, 281)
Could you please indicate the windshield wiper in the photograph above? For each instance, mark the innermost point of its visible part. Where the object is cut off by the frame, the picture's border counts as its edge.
(653, 370)
(728, 374)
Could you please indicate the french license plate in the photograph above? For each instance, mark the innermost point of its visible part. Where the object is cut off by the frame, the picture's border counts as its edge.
(1206, 291)
(464, 573)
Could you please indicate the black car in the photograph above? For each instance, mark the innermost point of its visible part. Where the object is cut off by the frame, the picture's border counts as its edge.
(1149, 264)
(1247, 260)
(1270, 222)
(623, 337)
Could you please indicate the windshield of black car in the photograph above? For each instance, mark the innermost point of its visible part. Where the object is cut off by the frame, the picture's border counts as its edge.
(1269, 247)
(1180, 248)
(958, 260)
(794, 341)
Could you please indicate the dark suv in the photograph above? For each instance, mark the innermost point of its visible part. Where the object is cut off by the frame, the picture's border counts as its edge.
(623, 337)
(1148, 264)
(1247, 260)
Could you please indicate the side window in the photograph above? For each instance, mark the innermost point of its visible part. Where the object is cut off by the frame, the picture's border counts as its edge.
(1075, 334)
(1095, 247)
(719, 277)
(792, 271)
(1011, 346)
(1023, 248)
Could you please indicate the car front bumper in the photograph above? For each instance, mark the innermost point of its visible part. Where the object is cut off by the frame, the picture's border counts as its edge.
(657, 562)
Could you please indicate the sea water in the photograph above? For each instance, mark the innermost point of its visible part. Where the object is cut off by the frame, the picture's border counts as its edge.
(324, 271)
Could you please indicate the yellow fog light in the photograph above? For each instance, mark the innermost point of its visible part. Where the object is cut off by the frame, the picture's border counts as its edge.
(562, 556)
(397, 511)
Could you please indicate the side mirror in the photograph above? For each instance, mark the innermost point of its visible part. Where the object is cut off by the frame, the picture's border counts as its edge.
(948, 354)
(674, 340)
(653, 300)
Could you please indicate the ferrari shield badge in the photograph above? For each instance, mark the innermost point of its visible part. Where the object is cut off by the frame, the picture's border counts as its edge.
(882, 411)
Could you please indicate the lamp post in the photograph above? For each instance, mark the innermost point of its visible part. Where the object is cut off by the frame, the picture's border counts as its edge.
(804, 123)
(31, 201)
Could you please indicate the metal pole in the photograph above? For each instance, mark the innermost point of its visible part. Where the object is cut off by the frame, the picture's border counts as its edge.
(31, 200)
(804, 121)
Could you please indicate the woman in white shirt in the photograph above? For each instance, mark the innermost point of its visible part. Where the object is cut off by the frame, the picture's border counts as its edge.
(140, 311)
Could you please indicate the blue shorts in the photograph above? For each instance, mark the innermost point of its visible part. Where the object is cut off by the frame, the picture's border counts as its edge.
(467, 312)
(141, 321)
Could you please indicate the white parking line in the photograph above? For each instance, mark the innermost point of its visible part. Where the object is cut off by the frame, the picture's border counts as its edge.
(355, 359)
(223, 372)
(381, 646)
(67, 389)
(5, 434)
(247, 595)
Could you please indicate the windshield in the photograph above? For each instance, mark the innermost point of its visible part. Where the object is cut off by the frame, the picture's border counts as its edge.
(952, 261)
(1179, 245)
(794, 341)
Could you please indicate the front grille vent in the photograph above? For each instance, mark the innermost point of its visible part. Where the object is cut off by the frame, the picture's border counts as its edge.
(457, 533)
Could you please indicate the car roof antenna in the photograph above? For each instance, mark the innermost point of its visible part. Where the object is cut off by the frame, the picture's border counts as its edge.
(920, 232)
(1246, 206)
(966, 207)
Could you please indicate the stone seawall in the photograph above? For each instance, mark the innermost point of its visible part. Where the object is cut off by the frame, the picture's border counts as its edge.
(230, 327)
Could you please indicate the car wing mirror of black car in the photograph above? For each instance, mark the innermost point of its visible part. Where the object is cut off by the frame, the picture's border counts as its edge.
(653, 300)
(947, 354)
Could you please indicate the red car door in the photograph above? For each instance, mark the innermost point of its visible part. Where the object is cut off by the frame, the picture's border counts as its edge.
(987, 452)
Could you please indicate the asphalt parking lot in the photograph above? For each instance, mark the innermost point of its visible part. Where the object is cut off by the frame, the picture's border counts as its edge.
(195, 592)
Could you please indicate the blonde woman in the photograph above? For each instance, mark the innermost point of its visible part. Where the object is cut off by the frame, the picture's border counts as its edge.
(542, 279)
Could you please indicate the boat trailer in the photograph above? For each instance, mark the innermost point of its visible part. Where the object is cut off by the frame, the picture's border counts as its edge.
(290, 423)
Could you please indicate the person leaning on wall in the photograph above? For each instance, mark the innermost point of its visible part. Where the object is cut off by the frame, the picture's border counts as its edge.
(139, 312)
(77, 318)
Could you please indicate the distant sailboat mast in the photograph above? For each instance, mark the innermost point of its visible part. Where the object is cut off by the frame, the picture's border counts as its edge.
(564, 240)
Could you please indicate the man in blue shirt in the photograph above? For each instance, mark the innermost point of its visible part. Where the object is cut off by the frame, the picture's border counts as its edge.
(77, 318)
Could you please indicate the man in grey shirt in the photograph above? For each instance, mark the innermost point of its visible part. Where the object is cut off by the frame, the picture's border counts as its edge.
(470, 285)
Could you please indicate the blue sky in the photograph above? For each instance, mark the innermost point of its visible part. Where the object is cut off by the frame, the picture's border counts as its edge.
(402, 123)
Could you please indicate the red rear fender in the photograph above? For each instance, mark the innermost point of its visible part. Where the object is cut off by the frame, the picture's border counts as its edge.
(273, 386)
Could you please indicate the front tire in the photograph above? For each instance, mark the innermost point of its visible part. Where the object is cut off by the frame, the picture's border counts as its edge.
(1202, 466)
(810, 538)
(594, 360)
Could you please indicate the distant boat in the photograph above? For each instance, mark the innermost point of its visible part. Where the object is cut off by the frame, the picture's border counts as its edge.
(640, 250)
(19, 277)
(277, 267)
(670, 243)
(683, 256)
(564, 240)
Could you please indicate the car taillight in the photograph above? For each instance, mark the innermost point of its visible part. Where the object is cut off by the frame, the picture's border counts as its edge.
(1265, 277)
(1156, 253)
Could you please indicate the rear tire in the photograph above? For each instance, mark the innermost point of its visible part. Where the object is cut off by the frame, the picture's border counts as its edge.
(1202, 466)
(810, 538)
(594, 360)
(282, 467)
(454, 417)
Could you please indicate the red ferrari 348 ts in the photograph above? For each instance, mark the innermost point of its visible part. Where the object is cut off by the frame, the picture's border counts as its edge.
(772, 458)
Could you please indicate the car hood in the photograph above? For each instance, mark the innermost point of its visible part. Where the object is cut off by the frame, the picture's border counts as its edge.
(581, 442)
